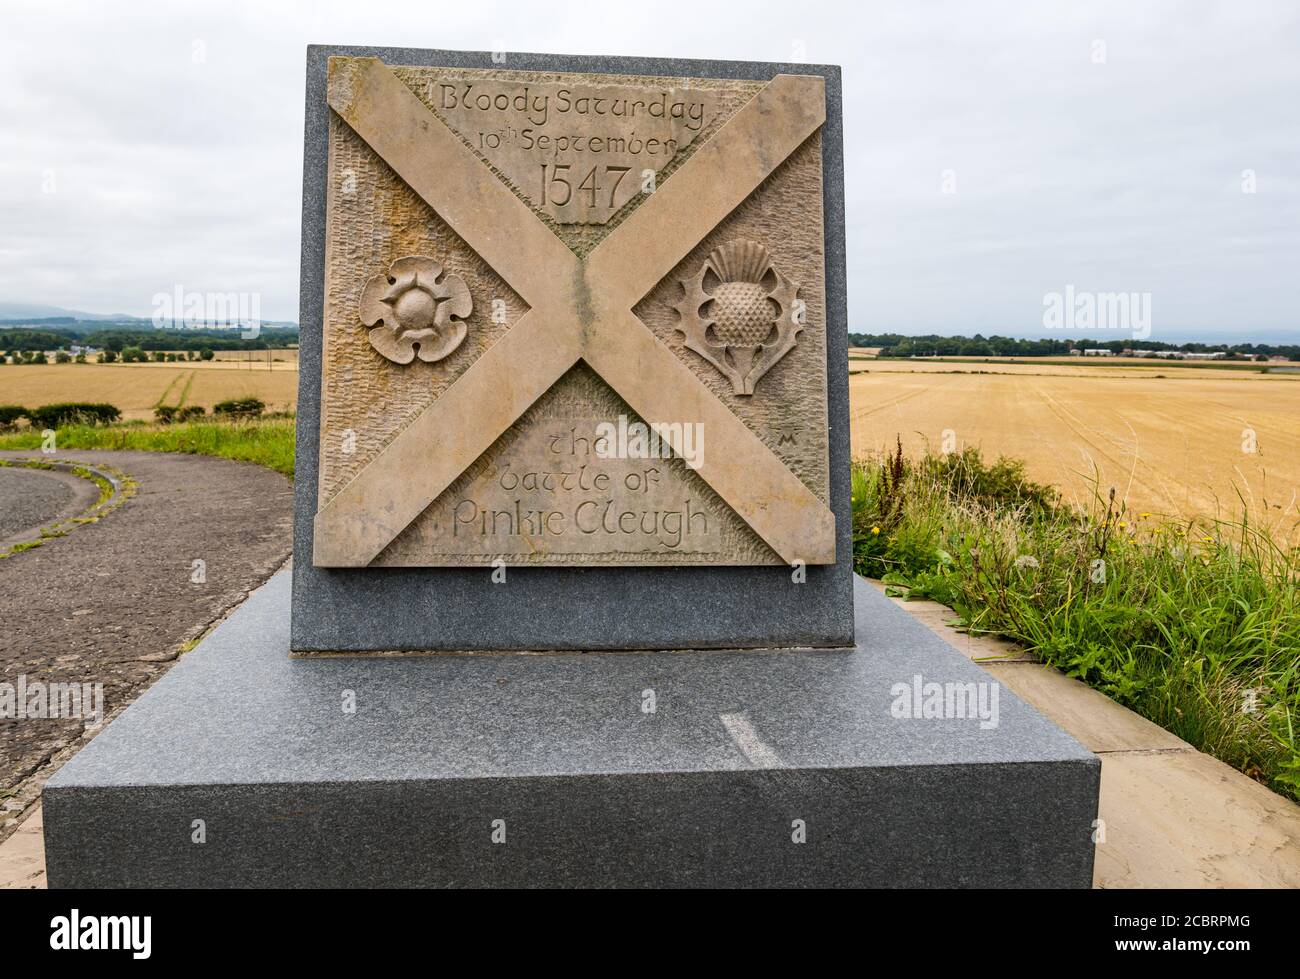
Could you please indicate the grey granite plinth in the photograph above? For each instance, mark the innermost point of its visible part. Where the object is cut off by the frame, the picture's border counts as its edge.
(743, 754)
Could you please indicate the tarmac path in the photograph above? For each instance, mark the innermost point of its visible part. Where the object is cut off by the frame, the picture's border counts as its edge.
(114, 602)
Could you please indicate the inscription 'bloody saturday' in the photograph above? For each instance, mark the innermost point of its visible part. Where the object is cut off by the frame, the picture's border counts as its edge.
(578, 152)
(537, 107)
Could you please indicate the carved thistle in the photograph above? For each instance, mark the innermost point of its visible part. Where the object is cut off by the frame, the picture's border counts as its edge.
(414, 311)
(738, 313)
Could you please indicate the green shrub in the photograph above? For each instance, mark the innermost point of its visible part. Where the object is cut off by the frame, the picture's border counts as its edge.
(966, 477)
(73, 413)
(166, 414)
(240, 407)
(10, 414)
(206, 354)
(108, 357)
(63, 357)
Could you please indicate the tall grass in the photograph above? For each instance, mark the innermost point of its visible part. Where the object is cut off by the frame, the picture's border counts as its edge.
(267, 442)
(1194, 625)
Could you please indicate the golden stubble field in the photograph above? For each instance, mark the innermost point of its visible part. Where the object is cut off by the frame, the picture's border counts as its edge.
(1176, 441)
(137, 388)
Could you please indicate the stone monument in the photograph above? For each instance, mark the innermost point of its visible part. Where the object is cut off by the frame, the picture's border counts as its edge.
(573, 381)
(573, 320)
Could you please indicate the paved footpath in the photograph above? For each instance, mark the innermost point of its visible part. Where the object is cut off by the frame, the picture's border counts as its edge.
(116, 601)
(1172, 816)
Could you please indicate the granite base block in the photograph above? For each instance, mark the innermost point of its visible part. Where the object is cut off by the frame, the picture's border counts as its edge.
(743, 754)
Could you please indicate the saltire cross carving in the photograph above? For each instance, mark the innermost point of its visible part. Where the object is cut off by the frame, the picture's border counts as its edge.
(579, 310)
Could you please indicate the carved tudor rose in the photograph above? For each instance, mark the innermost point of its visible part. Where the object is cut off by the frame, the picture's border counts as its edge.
(738, 313)
(413, 311)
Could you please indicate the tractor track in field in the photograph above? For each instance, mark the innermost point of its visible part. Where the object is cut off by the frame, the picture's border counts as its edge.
(1105, 446)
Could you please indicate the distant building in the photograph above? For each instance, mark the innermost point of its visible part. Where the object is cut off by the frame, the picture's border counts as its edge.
(1098, 352)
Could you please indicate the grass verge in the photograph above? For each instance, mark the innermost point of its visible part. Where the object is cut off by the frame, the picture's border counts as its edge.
(1193, 625)
(267, 442)
(110, 498)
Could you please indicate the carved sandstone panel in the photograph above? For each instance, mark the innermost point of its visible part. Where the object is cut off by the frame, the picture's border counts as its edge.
(510, 413)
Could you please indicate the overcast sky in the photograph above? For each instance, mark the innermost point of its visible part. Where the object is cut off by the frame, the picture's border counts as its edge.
(1102, 145)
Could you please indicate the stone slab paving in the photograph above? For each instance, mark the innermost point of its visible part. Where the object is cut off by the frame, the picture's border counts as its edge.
(1173, 816)
(116, 601)
(22, 855)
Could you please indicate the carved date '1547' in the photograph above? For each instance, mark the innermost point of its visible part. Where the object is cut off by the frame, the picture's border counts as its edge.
(590, 184)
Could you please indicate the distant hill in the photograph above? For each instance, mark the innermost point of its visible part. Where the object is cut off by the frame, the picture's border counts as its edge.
(34, 326)
(25, 311)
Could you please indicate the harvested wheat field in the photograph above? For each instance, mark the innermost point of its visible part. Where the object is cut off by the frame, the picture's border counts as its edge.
(1180, 442)
(137, 388)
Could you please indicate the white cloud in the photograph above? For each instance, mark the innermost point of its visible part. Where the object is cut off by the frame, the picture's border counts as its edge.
(173, 138)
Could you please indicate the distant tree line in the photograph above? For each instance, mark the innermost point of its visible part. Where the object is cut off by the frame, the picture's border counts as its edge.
(35, 340)
(897, 345)
(118, 340)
